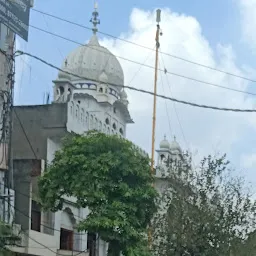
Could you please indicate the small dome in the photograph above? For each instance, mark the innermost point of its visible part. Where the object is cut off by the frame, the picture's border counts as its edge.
(175, 145)
(103, 78)
(164, 144)
(123, 95)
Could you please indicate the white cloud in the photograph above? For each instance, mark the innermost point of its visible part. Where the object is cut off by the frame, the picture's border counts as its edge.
(248, 21)
(248, 161)
(205, 130)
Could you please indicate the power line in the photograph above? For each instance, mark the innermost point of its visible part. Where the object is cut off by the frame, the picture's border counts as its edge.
(24, 214)
(175, 109)
(145, 65)
(137, 89)
(47, 25)
(142, 64)
(145, 47)
(33, 151)
(166, 107)
(46, 247)
(25, 134)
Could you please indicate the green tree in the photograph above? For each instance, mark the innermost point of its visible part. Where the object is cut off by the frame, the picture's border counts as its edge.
(205, 211)
(112, 178)
(7, 238)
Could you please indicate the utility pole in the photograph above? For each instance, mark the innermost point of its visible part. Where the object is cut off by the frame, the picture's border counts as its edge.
(10, 91)
(158, 33)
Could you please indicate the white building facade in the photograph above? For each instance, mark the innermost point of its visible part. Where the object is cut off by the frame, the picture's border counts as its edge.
(87, 96)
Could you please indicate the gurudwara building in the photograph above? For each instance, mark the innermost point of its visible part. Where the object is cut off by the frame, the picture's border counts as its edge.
(85, 98)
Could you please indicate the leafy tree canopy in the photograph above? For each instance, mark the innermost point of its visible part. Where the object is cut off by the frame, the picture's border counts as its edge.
(205, 211)
(7, 238)
(109, 176)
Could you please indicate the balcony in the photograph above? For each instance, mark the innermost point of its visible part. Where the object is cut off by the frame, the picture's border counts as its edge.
(72, 253)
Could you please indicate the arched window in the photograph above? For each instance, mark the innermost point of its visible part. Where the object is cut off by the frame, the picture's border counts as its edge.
(101, 90)
(91, 123)
(95, 124)
(121, 131)
(82, 116)
(162, 157)
(114, 126)
(87, 118)
(61, 90)
(71, 108)
(77, 111)
(107, 121)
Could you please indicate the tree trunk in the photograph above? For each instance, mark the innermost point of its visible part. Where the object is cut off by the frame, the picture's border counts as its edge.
(114, 248)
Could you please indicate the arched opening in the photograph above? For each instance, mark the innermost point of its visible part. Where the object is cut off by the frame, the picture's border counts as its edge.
(61, 90)
(67, 233)
(101, 90)
(114, 126)
(162, 158)
(107, 121)
(121, 131)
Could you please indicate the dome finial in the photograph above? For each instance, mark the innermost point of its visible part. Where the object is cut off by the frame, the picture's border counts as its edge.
(94, 20)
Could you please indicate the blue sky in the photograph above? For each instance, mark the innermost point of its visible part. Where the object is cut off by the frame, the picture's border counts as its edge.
(219, 21)
(215, 37)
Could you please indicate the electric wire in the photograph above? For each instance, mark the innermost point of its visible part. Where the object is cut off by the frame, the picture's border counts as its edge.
(32, 149)
(148, 66)
(148, 48)
(140, 67)
(41, 224)
(48, 27)
(174, 106)
(166, 107)
(18, 53)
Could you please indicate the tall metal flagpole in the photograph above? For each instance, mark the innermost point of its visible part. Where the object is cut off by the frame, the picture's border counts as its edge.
(158, 33)
(158, 19)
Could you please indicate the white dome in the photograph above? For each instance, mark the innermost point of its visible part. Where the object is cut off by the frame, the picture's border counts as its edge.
(175, 145)
(164, 144)
(90, 61)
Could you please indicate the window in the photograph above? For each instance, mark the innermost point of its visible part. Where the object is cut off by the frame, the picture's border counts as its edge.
(61, 90)
(91, 244)
(121, 131)
(101, 90)
(66, 239)
(114, 110)
(77, 111)
(35, 216)
(114, 126)
(95, 124)
(107, 121)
